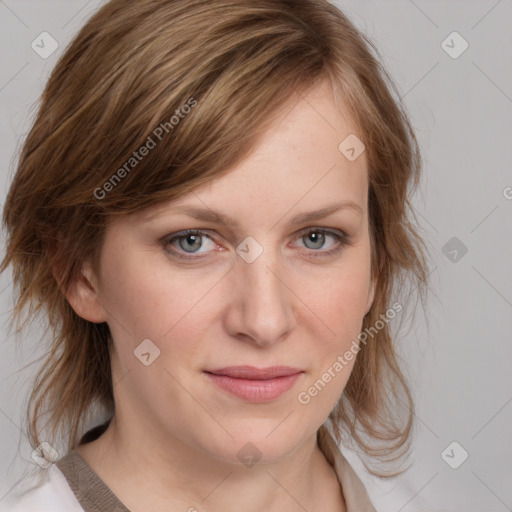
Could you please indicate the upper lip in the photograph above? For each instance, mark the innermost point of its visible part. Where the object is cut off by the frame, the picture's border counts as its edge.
(251, 372)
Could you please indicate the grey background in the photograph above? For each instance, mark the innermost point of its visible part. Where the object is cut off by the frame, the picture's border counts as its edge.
(461, 109)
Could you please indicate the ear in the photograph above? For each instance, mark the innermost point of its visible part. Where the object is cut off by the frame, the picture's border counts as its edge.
(371, 295)
(84, 297)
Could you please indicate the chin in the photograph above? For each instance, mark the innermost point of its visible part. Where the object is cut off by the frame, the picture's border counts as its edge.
(247, 444)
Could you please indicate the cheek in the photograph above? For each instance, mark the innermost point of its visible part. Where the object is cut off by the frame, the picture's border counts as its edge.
(341, 297)
(340, 306)
(147, 298)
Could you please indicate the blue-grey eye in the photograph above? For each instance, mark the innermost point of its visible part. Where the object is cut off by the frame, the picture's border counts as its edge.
(190, 243)
(317, 237)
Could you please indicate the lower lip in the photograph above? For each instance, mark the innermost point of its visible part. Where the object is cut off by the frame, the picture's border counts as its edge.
(255, 390)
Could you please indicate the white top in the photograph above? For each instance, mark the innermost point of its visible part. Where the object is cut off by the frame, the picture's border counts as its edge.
(46, 491)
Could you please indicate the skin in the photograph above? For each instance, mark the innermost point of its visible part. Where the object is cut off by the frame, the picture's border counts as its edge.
(173, 442)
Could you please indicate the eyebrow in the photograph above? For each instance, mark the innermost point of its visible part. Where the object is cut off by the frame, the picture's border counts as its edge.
(207, 215)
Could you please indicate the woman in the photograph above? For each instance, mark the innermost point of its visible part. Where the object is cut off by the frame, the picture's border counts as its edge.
(212, 209)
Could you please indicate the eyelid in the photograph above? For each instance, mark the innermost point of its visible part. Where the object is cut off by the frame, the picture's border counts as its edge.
(342, 238)
(330, 231)
(167, 241)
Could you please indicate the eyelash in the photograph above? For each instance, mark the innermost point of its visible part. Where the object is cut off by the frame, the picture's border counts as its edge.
(342, 238)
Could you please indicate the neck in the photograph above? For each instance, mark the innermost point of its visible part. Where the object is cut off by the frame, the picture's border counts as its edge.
(148, 473)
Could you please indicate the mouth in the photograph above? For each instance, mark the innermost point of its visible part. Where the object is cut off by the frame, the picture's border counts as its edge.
(255, 384)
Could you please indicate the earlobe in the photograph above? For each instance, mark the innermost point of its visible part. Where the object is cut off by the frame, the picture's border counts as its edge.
(84, 297)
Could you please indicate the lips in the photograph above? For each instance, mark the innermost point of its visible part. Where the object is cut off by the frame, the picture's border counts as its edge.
(252, 373)
(255, 384)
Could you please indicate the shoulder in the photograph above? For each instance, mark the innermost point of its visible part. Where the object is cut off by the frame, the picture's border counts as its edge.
(45, 491)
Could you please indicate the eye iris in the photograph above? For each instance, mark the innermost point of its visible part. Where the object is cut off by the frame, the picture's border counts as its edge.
(318, 238)
(196, 241)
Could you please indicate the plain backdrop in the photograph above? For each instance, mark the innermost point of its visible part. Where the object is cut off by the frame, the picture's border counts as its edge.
(460, 103)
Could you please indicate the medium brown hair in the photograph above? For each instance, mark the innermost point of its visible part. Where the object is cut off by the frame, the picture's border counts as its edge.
(131, 67)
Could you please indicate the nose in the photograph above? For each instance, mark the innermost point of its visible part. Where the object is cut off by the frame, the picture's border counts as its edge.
(262, 305)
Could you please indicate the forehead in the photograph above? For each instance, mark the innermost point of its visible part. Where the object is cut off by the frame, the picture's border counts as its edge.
(297, 165)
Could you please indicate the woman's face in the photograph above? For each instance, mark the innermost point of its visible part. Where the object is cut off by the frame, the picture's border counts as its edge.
(268, 287)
